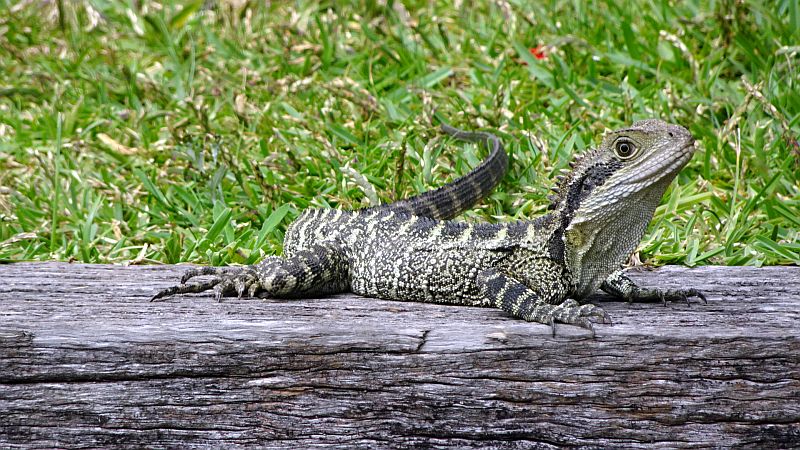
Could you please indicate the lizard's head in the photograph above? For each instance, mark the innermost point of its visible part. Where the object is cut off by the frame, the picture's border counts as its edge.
(609, 197)
(631, 165)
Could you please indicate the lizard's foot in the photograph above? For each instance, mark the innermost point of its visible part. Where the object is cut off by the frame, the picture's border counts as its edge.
(186, 289)
(321, 269)
(245, 280)
(573, 313)
(520, 301)
(227, 280)
(665, 295)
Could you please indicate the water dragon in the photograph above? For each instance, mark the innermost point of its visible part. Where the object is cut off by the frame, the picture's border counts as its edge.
(539, 270)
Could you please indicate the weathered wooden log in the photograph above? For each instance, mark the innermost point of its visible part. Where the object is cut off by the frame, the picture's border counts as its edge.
(86, 360)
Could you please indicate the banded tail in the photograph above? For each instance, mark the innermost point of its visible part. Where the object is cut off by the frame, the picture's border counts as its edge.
(454, 198)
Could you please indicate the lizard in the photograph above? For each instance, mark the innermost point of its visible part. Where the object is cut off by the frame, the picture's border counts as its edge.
(539, 270)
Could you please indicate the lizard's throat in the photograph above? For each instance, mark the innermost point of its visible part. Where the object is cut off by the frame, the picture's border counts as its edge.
(598, 242)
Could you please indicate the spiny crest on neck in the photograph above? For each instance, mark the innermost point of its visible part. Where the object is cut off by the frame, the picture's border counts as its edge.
(575, 175)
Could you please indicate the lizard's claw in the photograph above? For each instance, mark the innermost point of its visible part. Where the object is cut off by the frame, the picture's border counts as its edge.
(604, 317)
(683, 295)
(218, 292)
(241, 287)
(665, 296)
(254, 288)
(573, 313)
(583, 322)
(165, 293)
(226, 281)
(186, 289)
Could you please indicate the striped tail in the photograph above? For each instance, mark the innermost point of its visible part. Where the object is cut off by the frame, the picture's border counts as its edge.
(454, 198)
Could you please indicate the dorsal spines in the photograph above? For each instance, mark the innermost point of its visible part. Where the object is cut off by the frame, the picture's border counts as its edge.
(578, 168)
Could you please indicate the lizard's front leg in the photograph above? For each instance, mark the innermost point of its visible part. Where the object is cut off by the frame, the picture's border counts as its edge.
(318, 270)
(618, 284)
(522, 302)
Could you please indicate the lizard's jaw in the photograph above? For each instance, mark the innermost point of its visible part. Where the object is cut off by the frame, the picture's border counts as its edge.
(610, 222)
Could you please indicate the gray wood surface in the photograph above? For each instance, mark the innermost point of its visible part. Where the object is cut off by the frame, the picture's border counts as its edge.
(85, 360)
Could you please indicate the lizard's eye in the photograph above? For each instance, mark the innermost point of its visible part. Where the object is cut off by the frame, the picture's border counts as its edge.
(624, 149)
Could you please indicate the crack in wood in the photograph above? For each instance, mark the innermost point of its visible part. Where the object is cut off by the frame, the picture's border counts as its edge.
(423, 339)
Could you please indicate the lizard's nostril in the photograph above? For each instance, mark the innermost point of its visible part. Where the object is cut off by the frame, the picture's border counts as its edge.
(671, 134)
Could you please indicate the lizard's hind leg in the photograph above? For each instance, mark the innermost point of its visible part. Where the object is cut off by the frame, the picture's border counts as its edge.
(318, 270)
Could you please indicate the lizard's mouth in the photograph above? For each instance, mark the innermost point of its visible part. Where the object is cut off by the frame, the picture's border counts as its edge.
(690, 147)
(686, 153)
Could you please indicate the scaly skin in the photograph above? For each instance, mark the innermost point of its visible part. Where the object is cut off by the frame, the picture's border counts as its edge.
(538, 270)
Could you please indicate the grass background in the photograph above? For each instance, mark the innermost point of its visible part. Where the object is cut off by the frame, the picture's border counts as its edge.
(167, 132)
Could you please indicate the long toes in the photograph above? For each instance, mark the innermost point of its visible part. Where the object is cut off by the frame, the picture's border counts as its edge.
(252, 290)
(596, 312)
(187, 288)
(601, 315)
(191, 273)
(581, 315)
(240, 286)
(683, 295)
(222, 288)
(695, 293)
(247, 282)
(164, 293)
(198, 271)
(583, 322)
(209, 270)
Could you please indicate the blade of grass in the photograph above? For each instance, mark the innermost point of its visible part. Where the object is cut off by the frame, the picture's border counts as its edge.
(55, 205)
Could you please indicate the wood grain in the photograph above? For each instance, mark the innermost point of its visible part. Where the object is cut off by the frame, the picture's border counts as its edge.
(86, 360)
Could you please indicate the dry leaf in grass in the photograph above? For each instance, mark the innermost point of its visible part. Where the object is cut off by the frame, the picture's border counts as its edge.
(116, 146)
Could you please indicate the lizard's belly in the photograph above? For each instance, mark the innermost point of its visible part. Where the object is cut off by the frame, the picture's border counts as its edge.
(411, 273)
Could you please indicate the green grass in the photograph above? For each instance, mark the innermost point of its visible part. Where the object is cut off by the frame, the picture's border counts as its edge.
(173, 133)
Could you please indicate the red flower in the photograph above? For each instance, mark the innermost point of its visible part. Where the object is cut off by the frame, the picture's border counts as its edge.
(538, 52)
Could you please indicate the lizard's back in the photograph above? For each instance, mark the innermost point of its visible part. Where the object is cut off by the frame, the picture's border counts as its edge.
(535, 270)
(399, 256)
